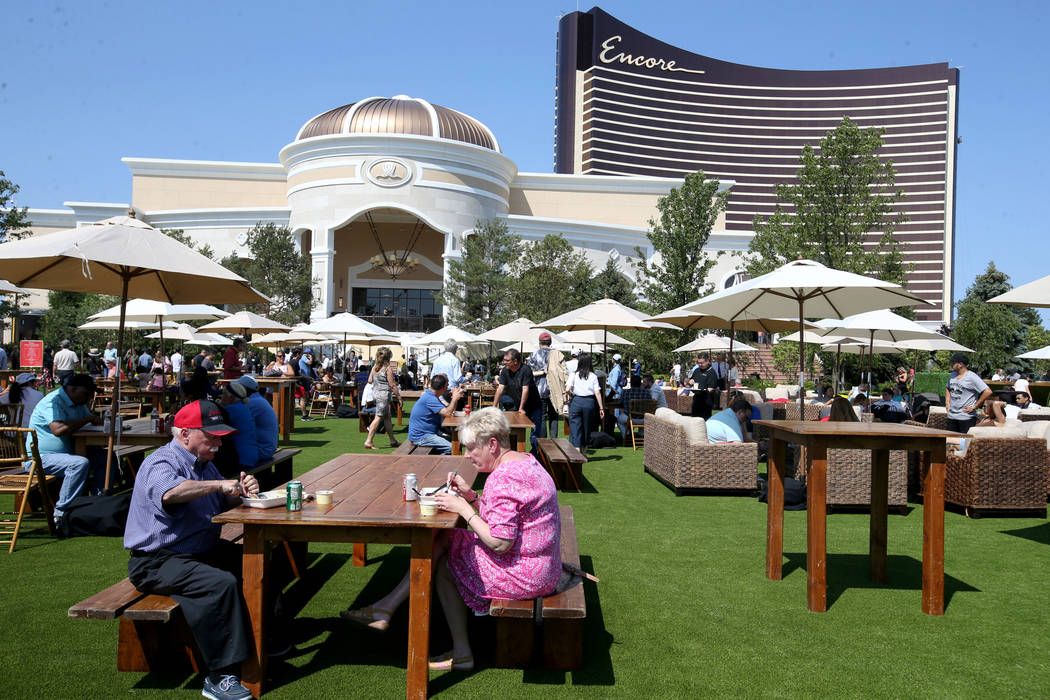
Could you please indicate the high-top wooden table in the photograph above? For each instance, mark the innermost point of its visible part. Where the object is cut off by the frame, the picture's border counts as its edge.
(283, 399)
(366, 507)
(518, 425)
(880, 438)
(137, 431)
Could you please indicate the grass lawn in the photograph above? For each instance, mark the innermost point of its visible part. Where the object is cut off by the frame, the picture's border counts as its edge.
(683, 608)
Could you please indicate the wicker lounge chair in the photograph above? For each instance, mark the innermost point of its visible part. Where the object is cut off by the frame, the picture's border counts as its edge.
(669, 456)
(999, 474)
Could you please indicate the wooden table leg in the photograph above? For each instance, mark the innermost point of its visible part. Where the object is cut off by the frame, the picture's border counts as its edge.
(933, 534)
(399, 414)
(254, 582)
(775, 510)
(419, 613)
(360, 553)
(880, 463)
(816, 528)
(457, 450)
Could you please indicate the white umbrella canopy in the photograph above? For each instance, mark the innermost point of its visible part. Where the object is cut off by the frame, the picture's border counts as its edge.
(152, 310)
(1035, 293)
(602, 315)
(714, 342)
(804, 289)
(932, 344)
(243, 322)
(181, 332)
(690, 320)
(1040, 354)
(522, 331)
(593, 337)
(209, 339)
(345, 324)
(8, 288)
(882, 325)
(861, 347)
(439, 337)
(113, 325)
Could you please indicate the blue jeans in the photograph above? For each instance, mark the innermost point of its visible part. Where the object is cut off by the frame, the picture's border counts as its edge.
(540, 429)
(583, 412)
(443, 446)
(74, 472)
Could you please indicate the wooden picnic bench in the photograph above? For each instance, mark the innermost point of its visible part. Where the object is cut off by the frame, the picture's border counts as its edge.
(563, 460)
(407, 447)
(548, 630)
(153, 633)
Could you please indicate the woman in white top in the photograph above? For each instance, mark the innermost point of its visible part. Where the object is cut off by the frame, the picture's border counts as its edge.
(22, 391)
(584, 394)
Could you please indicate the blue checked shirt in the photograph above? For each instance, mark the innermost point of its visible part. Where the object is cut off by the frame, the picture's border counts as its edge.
(450, 366)
(185, 528)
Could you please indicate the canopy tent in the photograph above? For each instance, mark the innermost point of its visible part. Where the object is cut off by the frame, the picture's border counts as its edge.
(803, 289)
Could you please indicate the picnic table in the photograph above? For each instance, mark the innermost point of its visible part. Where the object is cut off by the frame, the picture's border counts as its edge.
(518, 425)
(880, 438)
(136, 432)
(366, 507)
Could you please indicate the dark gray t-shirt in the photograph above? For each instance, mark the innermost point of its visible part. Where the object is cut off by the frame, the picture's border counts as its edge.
(962, 392)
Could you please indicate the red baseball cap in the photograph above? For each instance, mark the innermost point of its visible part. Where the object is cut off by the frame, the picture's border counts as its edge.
(545, 335)
(202, 415)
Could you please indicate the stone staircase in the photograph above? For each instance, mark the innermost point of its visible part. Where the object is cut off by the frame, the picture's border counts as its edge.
(762, 363)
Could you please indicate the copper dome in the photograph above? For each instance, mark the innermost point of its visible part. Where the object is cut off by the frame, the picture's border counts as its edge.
(400, 114)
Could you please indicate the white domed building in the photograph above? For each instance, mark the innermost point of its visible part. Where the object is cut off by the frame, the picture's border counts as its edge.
(385, 179)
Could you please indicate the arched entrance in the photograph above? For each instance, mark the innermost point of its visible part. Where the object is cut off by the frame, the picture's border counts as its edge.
(387, 268)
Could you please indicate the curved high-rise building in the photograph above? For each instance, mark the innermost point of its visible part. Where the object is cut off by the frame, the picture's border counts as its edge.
(628, 104)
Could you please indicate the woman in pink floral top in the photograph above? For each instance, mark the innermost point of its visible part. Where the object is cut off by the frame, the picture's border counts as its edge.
(512, 549)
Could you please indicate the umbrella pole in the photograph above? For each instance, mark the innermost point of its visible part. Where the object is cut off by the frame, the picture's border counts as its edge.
(732, 326)
(871, 352)
(838, 366)
(114, 409)
(801, 361)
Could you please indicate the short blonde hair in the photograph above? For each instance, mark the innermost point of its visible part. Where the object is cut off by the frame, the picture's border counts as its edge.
(485, 424)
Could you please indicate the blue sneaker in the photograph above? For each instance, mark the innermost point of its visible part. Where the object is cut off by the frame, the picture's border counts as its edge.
(225, 687)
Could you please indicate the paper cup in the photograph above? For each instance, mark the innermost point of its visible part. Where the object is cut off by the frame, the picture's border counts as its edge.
(427, 506)
(324, 498)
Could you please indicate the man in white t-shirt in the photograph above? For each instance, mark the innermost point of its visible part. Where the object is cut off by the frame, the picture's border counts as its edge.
(1024, 403)
(65, 362)
(177, 360)
(570, 366)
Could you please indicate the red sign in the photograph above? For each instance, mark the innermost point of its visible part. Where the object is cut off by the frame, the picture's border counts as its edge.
(31, 353)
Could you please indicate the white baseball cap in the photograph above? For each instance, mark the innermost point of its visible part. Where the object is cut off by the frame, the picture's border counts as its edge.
(617, 356)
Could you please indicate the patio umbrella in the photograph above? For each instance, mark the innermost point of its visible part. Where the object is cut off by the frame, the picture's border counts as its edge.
(244, 323)
(121, 256)
(827, 342)
(522, 332)
(689, 320)
(159, 311)
(111, 325)
(1040, 354)
(209, 339)
(1035, 293)
(602, 315)
(714, 342)
(882, 325)
(801, 289)
(181, 332)
(8, 288)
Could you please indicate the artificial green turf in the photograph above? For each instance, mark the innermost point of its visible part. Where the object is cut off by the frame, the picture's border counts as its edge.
(683, 608)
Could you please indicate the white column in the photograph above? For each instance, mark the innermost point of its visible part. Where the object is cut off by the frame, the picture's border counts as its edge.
(453, 251)
(322, 254)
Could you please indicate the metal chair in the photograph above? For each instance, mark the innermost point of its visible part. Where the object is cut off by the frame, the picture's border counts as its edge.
(20, 484)
(636, 411)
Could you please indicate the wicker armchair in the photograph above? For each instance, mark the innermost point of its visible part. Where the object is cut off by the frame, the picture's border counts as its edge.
(810, 411)
(849, 477)
(998, 474)
(938, 418)
(668, 456)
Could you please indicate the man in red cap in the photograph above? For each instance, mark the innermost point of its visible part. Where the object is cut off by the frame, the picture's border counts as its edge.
(539, 363)
(176, 549)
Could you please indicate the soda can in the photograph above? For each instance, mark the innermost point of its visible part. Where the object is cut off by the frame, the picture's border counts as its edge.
(294, 496)
(408, 487)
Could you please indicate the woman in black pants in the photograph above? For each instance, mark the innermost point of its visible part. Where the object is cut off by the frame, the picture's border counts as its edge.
(584, 394)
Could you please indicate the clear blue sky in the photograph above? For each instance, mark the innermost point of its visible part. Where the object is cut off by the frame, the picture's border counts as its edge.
(86, 83)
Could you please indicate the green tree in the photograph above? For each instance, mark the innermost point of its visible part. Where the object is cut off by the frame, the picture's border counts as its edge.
(610, 283)
(678, 271)
(997, 332)
(14, 225)
(476, 294)
(843, 194)
(179, 235)
(68, 310)
(549, 278)
(278, 270)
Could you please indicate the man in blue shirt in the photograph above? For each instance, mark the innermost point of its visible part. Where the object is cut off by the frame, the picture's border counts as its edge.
(56, 417)
(636, 391)
(449, 365)
(614, 385)
(243, 441)
(728, 424)
(176, 549)
(424, 423)
(265, 418)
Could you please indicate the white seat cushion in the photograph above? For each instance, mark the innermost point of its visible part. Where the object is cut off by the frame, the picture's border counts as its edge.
(695, 430)
(666, 413)
(776, 392)
(991, 431)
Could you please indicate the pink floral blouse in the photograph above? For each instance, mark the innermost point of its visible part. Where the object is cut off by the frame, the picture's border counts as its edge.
(519, 503)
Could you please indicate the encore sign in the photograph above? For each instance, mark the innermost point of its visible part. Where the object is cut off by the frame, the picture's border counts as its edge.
(611, 54)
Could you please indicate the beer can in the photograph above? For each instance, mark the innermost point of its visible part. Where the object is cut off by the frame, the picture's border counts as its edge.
(408, 487)
(294, 496)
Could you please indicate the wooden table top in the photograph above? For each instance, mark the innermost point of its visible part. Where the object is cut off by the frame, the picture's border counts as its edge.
(851, 429)
(515, 419)
(135, 427)
(367, 493)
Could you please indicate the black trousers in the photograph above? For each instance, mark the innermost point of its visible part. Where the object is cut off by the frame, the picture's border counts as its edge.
(961, 426)
(208, 588)
(701, 404)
